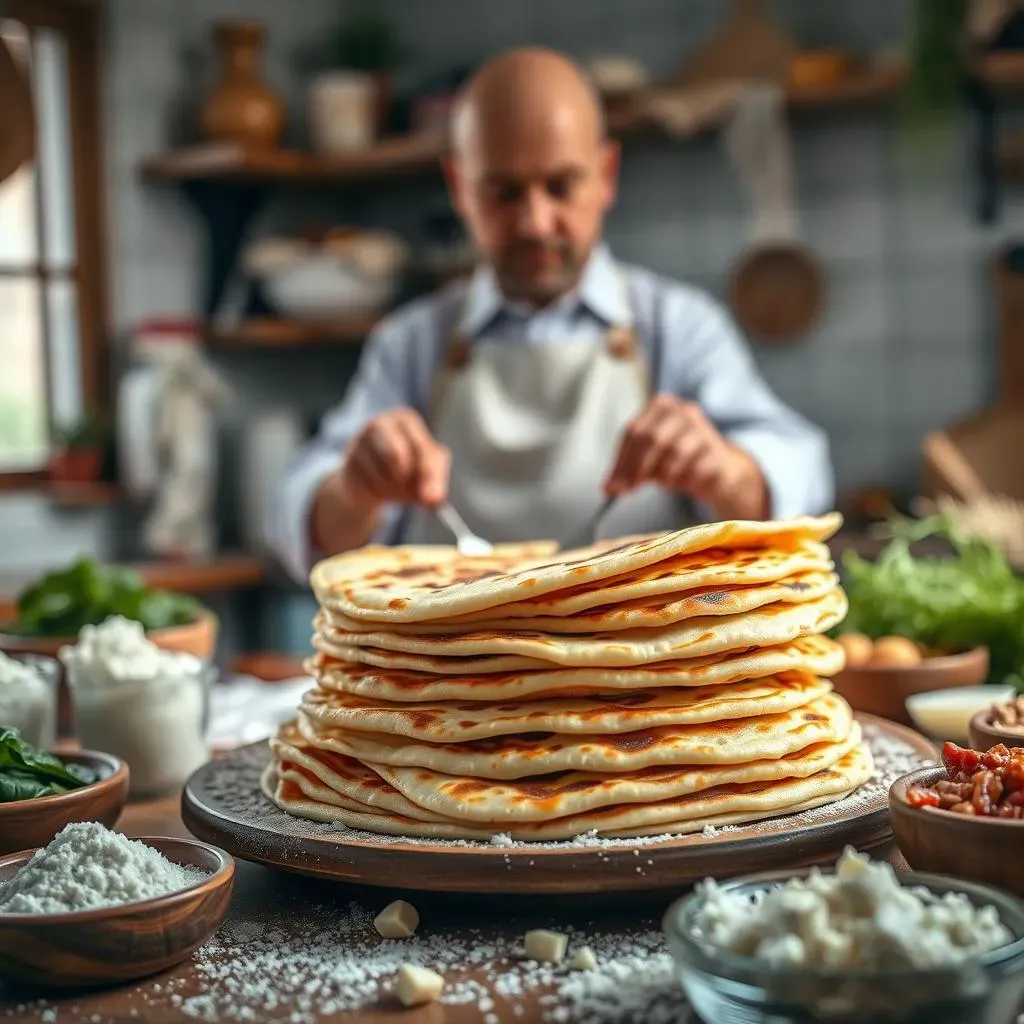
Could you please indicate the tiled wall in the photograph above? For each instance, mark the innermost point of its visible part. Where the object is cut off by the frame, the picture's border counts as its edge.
(906, 342)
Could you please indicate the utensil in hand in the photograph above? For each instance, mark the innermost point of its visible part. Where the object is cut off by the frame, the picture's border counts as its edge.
(587, 533)
(466, 540)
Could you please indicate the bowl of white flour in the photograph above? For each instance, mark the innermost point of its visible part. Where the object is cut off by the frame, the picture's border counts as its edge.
(96, 908)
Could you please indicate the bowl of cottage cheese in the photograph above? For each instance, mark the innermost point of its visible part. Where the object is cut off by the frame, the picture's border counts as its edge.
(862, 942)
(29, 686)
(147, 705)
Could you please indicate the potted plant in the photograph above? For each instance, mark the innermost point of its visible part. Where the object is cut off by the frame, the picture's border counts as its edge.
(350, 102)
(78, 452)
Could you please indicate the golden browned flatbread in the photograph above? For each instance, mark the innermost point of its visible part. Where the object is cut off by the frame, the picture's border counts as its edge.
(817, 655)
(622, 711)
(415, 584)
(694, 638)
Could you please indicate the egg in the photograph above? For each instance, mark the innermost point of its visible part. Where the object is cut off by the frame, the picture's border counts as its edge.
(895, 651)
(858, 648)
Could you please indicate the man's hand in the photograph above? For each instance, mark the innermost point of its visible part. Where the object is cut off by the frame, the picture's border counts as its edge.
(673, 443)
(393, 458)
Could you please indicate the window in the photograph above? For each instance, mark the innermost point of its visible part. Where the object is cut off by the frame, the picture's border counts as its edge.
(52, 292)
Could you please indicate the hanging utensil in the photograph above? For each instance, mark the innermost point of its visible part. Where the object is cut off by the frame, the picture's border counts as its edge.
(777, 289)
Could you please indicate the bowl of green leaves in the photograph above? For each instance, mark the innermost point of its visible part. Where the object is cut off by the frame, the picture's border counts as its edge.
(41, 792)
(954, 619)
(53, 609)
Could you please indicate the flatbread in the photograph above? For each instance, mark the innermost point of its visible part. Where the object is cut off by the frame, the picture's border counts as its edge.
(723, 805)
(716, 567)
(415, 584)
(640, 613)
(828, 719)
(625, 711)
(694, 638)
(817, 655)
(434, 796)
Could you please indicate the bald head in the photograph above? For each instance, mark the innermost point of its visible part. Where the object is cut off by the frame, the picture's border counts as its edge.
(526, 88)
(531, 171)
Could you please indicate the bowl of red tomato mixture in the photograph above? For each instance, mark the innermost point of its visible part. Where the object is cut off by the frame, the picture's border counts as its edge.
(965, 817)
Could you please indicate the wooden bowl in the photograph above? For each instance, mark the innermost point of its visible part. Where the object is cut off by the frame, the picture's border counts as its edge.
(985, 850)
(984, 734)
(198, 637)
(883, 689)
(118, 944)
(27, 824)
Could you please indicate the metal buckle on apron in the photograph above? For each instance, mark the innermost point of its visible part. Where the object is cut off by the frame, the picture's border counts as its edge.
(621, 341)
(457, 355)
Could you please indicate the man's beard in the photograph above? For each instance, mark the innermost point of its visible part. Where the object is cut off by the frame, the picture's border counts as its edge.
(519, 281)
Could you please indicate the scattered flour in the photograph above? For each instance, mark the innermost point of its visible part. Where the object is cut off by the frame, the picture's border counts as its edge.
(85, 867)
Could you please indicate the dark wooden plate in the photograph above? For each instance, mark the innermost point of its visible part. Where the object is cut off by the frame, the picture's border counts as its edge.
(118, 944)
(222, 804)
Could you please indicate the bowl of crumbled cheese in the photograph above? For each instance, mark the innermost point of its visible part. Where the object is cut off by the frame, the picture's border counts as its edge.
(96, 908)
(147, 705)
(862, 942)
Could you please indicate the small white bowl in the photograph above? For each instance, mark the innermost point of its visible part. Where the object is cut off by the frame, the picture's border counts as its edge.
(946, 714)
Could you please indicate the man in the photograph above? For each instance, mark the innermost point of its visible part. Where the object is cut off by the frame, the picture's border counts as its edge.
(554, 376)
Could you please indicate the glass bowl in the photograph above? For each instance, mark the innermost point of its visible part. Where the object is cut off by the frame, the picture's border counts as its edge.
(34, 717)
(726, 988)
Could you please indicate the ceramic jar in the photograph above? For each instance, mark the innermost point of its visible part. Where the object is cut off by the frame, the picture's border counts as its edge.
(242, 109)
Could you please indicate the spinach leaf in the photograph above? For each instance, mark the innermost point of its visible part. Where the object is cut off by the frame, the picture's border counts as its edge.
(21, 756)
(16, 784)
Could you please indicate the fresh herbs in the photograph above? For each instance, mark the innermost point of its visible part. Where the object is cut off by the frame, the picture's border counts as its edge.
(969, 599)
(61, 603)
(26, 772)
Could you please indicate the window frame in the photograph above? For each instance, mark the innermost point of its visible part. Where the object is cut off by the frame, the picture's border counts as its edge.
(80, 22)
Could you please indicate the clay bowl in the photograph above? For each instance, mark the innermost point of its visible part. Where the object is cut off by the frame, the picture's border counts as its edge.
(26, 824)
(985, 850)
(198, 637)
(118, 944)
(984, 734)
(883, 689)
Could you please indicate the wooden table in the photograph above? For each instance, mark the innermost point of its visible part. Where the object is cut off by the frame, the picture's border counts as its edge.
(265, 900)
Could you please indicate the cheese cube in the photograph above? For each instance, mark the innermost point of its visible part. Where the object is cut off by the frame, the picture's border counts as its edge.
(397, 920)
(417, 985)
(548, 947)
(583, 959)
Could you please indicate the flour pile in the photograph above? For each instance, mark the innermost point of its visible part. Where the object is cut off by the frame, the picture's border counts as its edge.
(87, 867)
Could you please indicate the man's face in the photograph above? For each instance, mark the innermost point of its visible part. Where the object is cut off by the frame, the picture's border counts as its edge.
(533, 192)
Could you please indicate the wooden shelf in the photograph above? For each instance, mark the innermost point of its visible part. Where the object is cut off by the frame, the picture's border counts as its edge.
(292, 333)
(416, 153)
(392, 156)
(1004, 70)
(82, 495)
(872, 84)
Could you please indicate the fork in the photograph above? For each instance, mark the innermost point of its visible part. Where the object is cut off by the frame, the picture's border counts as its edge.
(585, 534)
(466, 540)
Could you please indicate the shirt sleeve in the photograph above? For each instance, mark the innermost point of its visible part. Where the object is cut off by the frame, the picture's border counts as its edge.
(706, 360)
(386, 379)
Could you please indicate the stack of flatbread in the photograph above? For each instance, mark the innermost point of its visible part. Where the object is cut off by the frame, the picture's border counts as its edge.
(657, 685)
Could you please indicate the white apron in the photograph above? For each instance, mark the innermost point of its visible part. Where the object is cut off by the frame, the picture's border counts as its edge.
(533, 431)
